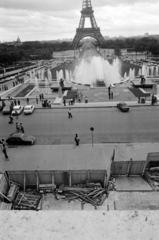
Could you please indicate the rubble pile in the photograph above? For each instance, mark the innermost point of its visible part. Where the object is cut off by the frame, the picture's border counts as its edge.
(152, 175)
(92, 193)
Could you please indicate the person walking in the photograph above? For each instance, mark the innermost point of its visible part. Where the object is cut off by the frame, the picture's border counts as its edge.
(15, 102)
(77, 139)
(69, 113)
(27, 101)
(109, 95)
(3, 147)
(18, 102)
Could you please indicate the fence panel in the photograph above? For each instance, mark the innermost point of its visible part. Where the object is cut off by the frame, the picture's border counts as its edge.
(137, 167)
(120, 168)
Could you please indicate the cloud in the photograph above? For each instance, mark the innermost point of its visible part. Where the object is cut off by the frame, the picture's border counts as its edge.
(36, 19)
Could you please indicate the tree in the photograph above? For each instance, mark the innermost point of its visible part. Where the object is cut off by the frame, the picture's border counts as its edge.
(117, 52)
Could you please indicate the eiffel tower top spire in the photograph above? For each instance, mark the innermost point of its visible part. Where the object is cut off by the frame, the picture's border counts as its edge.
(93, 31)
(86, 4)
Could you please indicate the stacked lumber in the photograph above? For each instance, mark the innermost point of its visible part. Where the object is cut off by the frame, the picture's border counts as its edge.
(152, 175)
(46, 188)
(12, 192)
(87, 193)
(5, 206)
(26, 201)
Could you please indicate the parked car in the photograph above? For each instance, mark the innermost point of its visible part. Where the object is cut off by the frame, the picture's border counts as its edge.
(20, 139)
(28, 109)
(17, 109)
(6, 109)
(123, 107)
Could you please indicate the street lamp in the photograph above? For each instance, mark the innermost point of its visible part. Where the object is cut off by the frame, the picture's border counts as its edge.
(92, 129)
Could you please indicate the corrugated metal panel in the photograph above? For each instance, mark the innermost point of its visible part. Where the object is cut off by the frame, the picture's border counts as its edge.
(16, 176)
(120, 168)
(79, 177)
(96, 176)
(45, 177)
(31, 178)
(137, 167)
(58, 177)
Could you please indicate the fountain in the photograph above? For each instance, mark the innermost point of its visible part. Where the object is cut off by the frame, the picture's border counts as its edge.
(36, 84)
(97, 69)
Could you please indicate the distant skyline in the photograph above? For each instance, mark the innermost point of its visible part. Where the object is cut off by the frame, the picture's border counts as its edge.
(58, 19)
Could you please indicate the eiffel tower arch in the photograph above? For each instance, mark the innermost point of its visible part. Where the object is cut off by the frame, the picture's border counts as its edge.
(93, 31)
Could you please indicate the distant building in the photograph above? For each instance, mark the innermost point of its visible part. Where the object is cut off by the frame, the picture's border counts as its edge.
(15, 43)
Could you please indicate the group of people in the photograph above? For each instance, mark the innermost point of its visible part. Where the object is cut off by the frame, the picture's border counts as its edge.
(3, 87)
(19, 127)
(15, 83)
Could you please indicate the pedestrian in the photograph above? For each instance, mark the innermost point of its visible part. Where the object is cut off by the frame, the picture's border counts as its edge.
(15, 102)
(109, 88)
(17, 127)
(40, 97)
(86, 100)
(64, 102)
(16, 114)
(10, 119)
(18, 102)
(3, 147)
(77, 139)
(21, 128)
(69, 113)
(36, 99)
(109, 95)
(27, 100)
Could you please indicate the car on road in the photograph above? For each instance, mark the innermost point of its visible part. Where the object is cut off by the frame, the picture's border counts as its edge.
(6, 109)
(20, 139)
(17, 109)
(29, 109)
(123, 107)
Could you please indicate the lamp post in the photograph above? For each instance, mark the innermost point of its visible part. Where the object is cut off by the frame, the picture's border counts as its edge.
(92, 129)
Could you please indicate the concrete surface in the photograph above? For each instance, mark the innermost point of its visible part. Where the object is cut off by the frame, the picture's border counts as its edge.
(68, 157)
(77, 225)
(131, 184)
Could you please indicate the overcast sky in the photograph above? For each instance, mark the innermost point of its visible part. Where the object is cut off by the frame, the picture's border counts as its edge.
(58, 19)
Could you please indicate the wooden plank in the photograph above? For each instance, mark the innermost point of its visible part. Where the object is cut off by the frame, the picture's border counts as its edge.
(37, 181)
(70, 180)
(129, 167)
(105, 179)
(53, 180)
(24, 187)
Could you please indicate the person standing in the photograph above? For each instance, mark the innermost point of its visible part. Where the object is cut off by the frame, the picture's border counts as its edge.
(27, 101)
(109, 95)
(18, 102)
(16, 114)
(3, 146)
(77, 139)
(15, 102)
(17, 127)
(21, 128)
(36, 99)
(69, 113)
(64, 102)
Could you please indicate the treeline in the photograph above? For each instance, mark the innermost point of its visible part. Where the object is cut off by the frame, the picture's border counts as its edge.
(145, 44)
(11, 54)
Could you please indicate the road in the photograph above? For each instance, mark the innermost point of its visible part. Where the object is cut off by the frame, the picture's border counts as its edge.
(52, 126)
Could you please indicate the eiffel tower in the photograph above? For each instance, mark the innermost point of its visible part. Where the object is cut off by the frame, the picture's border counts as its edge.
(81, 31)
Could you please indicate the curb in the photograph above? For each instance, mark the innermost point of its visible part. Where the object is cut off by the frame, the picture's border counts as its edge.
(74, 107)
